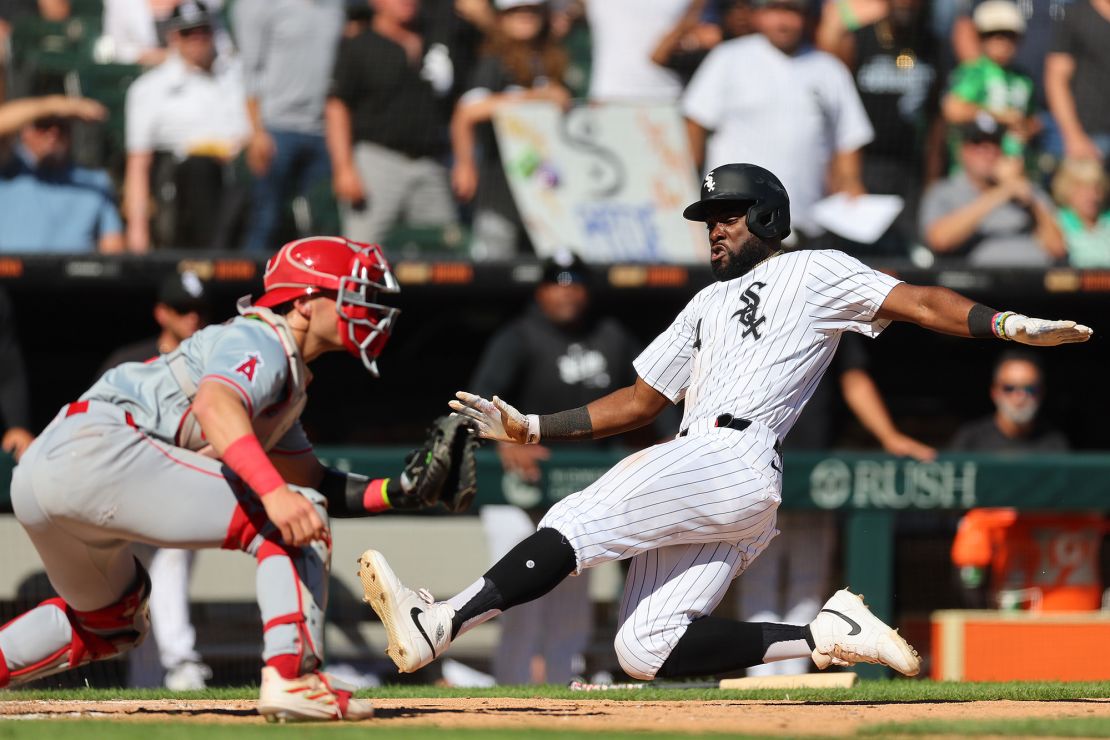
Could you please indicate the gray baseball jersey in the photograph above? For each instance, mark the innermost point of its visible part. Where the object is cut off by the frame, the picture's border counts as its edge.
(694, 512)
(128, 464)
(247, 354)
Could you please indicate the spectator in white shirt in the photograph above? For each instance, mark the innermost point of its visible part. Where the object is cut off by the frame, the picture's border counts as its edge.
(771, 99)
(623, 36)
(193, 107)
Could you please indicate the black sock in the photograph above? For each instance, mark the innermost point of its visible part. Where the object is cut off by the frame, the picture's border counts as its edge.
(713, 645)
(531, 569)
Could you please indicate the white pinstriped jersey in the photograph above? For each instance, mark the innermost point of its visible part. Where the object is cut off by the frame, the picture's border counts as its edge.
(756, 346)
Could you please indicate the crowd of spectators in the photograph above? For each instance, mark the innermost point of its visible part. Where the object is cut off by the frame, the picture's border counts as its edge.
(250, 121)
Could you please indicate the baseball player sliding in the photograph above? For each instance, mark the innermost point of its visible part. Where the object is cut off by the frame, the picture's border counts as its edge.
(203, 448)
(694, 512)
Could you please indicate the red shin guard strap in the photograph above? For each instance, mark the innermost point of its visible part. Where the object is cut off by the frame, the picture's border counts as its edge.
(288, 666)
(247, 458)
(293, 618)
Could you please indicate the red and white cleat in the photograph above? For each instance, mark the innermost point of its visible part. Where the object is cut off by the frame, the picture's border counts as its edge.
(313, 697)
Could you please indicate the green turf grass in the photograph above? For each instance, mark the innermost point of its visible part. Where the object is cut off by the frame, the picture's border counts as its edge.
(893, 691)
(1033, 727)
(100, 730)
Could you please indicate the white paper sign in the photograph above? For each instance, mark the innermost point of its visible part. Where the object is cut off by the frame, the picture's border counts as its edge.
(862, 219)
(608, 181)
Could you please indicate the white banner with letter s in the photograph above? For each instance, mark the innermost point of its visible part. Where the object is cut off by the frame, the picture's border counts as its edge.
(607, 181)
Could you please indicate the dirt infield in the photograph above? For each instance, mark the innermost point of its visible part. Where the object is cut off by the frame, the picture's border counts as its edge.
(757, 717)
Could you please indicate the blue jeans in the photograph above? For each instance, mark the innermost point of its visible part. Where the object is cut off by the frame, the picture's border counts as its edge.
(1102, 141)
(300, 162)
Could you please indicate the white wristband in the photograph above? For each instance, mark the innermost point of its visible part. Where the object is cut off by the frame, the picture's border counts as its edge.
(533, 429)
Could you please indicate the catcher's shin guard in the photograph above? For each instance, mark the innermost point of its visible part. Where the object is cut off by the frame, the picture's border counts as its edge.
(292, 585)
(54, 637)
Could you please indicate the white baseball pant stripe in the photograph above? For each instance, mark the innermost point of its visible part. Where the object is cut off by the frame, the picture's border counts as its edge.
(91, 485)
(692, 514)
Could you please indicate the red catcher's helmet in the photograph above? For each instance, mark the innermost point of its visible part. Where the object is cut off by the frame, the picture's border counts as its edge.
(354, 272)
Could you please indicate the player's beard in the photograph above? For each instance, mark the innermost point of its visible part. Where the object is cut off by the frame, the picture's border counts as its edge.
(751, 252)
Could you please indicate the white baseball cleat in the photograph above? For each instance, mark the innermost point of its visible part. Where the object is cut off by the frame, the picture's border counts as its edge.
(845, 632)
(313, 697)
(419, 629)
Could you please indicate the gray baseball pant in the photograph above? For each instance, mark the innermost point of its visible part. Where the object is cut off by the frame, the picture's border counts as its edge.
(90, 486)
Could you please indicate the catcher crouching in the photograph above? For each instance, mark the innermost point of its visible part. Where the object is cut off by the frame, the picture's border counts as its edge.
(203, 448)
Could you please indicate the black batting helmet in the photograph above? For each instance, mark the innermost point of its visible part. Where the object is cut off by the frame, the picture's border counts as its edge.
(768, 204)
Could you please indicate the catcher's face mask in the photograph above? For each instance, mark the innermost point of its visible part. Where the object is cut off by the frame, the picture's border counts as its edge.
(365, 324)
(357, 273)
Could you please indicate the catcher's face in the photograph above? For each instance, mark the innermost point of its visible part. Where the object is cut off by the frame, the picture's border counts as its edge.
(315, 316)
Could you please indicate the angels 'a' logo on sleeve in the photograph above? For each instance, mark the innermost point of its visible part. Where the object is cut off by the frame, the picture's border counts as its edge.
(249, 365)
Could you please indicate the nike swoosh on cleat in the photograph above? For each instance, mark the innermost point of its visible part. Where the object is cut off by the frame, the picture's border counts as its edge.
(417, 611)
(851, 623)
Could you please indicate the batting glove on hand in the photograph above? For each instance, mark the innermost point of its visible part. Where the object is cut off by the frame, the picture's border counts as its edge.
(1042, 332)
(496, 419)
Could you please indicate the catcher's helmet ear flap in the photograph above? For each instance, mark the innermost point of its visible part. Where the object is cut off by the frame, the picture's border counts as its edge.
(769, 209)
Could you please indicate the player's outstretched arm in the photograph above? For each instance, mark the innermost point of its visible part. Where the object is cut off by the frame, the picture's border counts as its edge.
(622, 410)
(947, 312)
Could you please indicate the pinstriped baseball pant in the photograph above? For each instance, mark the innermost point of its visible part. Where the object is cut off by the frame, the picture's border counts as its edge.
(692, 514)
(91, 485)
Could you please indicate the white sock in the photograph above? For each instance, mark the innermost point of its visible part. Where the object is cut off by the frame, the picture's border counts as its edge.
(787, 649)
(464, 597)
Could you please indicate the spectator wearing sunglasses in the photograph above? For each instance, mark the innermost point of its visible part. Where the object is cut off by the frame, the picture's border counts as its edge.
(991, 84)
(999, 553)
(47, 203)
(1017, 391)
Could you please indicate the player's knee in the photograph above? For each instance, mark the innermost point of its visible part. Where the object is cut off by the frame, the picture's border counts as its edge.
(121, 626)
(633, 659)
(317, 499)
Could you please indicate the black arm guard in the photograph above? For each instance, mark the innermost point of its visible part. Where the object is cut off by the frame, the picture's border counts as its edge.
(344, 492)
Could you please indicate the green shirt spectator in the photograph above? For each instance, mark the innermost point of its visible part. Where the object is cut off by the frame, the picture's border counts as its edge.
(1088, 246)
(990, 85)
(996, 90)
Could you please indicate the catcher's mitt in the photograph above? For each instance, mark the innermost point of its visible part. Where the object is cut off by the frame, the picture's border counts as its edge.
(443, 470)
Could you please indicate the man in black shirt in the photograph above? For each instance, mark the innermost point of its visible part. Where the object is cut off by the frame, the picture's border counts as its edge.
(15, 405)
(895, 63)
(181, 310)
(1076, 71)
(1017, 390)
(554, 354)
(386, 124)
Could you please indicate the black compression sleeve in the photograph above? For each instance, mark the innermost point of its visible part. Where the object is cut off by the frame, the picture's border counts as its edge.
(980, 321)
(344, 492)
(572, 424)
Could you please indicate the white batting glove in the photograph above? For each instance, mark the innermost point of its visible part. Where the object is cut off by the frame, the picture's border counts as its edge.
(1042, 332)
(497, 420)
